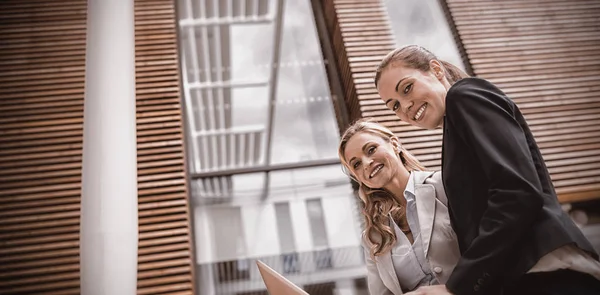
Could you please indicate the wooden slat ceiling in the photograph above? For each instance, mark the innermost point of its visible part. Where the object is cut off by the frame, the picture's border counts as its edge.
(42, 59)
(544, 54)
(165, 260)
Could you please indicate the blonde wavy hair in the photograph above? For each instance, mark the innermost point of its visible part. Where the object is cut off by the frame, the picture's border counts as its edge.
(379, 203)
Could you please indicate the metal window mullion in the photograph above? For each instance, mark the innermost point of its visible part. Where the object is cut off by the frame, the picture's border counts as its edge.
(262, 140)
(217, 186)
(191, 119)
(229, 84)
(273, 77)
(255, 9)
(203, 8)
(211, 103)
(196, 77)
(208, 70)
(221, 98)
(203, 127)
(230, 20)
(242, 147)
(232, 145)
(243, 8)
(224, 187)
(251, 136)
(230, 10)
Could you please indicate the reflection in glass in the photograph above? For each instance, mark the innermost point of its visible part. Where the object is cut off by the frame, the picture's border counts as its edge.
(423, 23)
(301, 222)
(290, 263)
(317, 223)
(227, 73)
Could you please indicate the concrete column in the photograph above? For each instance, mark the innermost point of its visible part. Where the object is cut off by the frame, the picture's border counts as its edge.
(109, 221)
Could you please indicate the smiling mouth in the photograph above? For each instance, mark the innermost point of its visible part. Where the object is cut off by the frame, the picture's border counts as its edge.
(376, 170)
(420, 112)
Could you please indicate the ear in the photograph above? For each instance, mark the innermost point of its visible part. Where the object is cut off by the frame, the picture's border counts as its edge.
(437, 69)
(395, 143)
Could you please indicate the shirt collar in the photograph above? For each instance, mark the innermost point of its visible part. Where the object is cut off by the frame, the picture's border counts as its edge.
(409, 191)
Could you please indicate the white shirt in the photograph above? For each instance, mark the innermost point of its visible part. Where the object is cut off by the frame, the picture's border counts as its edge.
(568, 257)
(410, 264)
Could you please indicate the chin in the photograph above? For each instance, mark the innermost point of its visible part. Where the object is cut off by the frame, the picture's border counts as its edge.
(426, 125)
(378, 184)
(432, 124)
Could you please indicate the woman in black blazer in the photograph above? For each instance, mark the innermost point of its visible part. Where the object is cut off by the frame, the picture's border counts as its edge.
(513, 235)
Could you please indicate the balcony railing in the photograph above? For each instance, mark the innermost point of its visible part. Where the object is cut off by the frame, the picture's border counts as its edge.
(302, 268)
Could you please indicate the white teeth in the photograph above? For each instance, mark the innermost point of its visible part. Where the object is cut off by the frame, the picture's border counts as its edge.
(375, 171)
(420, 112)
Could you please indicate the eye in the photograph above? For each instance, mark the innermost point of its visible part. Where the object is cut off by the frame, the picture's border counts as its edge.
(356, 164)
(407, 88)
(395, 106)
(371, 150)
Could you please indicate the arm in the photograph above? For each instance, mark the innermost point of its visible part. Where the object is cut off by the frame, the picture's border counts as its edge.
(484, 119)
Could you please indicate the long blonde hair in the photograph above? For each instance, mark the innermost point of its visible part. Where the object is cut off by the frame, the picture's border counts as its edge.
(379, 203)
(417, 57)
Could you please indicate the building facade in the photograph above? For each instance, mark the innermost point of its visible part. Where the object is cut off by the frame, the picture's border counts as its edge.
(239, 107)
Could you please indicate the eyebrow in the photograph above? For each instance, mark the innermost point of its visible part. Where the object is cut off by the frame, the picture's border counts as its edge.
(364, 148)
(397, 85)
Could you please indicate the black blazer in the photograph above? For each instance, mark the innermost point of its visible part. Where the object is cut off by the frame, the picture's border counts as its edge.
(502, 203)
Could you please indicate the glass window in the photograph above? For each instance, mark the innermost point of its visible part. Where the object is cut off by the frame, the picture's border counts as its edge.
(230, 81)
(228, 233)
(284, 227)
(314, 209)
(233, 270)
(423, 23)
(327, 288)
(247, 188)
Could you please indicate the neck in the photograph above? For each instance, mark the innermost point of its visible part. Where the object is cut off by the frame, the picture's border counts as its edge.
(397, 185)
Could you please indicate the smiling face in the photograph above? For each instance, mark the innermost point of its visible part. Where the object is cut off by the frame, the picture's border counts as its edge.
(373, 160)
(416, 97)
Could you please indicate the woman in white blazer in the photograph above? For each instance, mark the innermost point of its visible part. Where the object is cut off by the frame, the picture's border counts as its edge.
(408, 239)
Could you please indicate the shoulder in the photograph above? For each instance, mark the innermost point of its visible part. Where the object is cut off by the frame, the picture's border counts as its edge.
(421, 177)
(436, 181)
(436, 177)
(473, 88)
(430, 177)
(470, 84)
(475, 94)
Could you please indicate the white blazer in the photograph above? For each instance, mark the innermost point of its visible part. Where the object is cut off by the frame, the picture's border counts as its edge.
(439, 240)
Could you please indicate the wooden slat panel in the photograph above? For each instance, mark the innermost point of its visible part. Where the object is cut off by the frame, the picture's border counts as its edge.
(165, 261)
(544, 54)
(42, 55)
(41, 115)
(361, 36)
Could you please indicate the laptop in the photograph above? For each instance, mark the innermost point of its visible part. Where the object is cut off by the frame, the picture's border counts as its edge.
(276, 283)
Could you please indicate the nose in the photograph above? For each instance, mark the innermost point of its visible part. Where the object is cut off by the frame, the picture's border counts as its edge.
(368, 161)
(407, 106)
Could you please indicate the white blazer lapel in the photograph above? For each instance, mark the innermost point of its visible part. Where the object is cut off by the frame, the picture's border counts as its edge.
(425, 198)
(388, 274)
